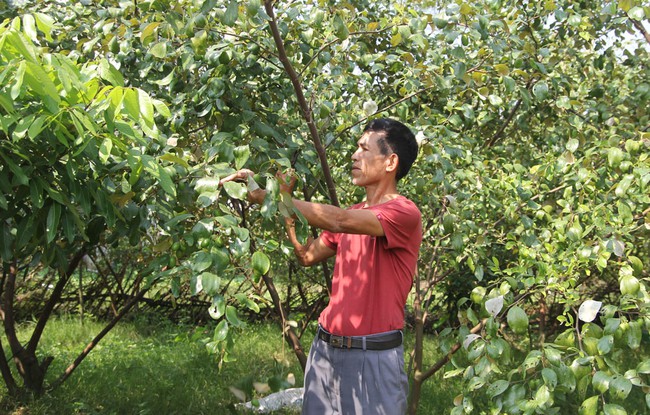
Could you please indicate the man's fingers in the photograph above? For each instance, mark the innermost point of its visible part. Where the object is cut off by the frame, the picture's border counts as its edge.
(244, 173)
(239, 175)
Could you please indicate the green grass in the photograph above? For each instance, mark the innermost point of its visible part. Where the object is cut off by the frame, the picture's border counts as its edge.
(154, 367)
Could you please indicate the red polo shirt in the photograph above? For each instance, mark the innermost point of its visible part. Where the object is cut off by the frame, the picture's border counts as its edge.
(373, 275)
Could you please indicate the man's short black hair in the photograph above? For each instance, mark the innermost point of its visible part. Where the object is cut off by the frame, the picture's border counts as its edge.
(397, 139)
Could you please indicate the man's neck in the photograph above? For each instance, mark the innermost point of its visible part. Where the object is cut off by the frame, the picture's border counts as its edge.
(379, 193)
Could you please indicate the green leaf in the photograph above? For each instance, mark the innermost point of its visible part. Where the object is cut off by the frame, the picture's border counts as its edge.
(36, 194)
(634, 334)
(629, 285)
(25, 50)
(572, 145)
(146, 108)
(161, 107)
(615, 156)
(45, 24)
(589, 406)
(108, 72)
(475, 383)
(221, 331)
(166, 182)
(201, 261)
(517, 320)
(232, 317)
(69, 226)
(247, 302)
(636, 263)
(36, 127)
(218, 307)
(261, 263)
(242, 153)
(611, 325)
(105, 149)
(19, 77)
(625, 5)
(563, 102)
(220, 260)
(196, 285)
(613, 409)
(540, 90)
(236, 190)
(252, 7)
(542, 396)
(600, 381)
(340, 28)
(24, 232)
(550, 378)
(159, 50)
(29, 26)
(178, 219)
(644, 367)
(210, 283)
(148, 33)
(566, 378)
(130, 103)
(229, 18)
(636, 13)
(619, 387)
(210, 184)
(41, 83)
(497, 388)
(52, 222)
(495, 100)
(177, 160)
(605, 344)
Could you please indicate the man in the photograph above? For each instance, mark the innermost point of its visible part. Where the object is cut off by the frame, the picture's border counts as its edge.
(356, 362)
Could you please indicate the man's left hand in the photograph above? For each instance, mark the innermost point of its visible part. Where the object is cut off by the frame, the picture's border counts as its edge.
(287, 181)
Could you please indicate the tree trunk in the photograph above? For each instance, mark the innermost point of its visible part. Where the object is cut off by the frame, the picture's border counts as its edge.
(305, 109)
(30, 369)
(7, 376)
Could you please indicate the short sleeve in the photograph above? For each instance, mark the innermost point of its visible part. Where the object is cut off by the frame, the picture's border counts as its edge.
(330, 239)
(401, 221)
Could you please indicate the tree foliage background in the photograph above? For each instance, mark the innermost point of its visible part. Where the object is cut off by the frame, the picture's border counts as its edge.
(118, 119)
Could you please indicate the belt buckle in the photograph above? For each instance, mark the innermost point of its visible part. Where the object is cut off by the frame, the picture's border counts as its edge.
(337, 341)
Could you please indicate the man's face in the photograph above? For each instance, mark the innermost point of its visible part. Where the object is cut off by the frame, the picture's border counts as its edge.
(368, 163)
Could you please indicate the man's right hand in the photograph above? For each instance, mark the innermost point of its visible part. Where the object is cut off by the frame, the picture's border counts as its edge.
(255, 194)
(238, 176)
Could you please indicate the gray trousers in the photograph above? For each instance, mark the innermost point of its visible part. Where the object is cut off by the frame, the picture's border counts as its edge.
(354, 381)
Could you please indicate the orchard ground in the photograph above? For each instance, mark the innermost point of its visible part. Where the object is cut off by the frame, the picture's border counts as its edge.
(151, 366)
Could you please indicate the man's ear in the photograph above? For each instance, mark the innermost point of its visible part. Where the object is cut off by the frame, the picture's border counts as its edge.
(392, 163)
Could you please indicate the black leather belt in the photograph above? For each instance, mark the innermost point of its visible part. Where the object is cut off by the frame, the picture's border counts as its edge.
(382, 341)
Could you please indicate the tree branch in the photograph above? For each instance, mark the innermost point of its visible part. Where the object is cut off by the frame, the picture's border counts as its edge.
(386, 108)
(302, 102)
(442, 362)
(10, 382)
(640, 28)
(53, 300)
(511, 115)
